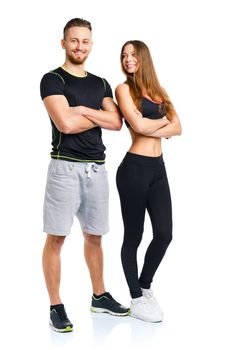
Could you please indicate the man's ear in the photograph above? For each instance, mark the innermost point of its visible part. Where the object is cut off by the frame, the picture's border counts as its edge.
(63, 43)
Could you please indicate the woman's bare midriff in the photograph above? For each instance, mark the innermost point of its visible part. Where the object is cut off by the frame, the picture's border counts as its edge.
(145, 145)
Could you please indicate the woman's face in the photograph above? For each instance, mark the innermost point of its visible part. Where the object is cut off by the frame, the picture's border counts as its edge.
(129, 61)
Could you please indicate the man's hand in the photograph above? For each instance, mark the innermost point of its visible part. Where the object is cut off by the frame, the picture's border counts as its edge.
(80, 110)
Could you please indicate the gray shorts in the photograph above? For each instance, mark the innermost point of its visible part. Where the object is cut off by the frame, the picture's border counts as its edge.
(79, 189)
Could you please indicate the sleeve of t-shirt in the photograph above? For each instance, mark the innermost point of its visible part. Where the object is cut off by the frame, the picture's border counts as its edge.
(51, 84)
(108, 90)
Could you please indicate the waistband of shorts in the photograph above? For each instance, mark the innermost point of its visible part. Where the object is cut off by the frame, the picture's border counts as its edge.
(77, 163)
(143, 160)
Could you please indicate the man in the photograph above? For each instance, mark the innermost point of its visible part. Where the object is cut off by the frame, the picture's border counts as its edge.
(79, 105)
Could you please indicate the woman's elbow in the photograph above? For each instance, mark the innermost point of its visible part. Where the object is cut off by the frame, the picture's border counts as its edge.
(179, 130)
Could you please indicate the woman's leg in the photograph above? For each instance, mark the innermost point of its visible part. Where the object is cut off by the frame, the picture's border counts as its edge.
(132, 192)
(160, 211)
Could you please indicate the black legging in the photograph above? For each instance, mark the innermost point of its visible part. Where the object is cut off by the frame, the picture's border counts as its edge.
(142, 184)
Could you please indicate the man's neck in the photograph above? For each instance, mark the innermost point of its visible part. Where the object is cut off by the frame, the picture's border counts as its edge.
(75, 69)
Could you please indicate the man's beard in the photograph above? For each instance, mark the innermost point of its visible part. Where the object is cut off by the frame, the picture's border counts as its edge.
(79, 60)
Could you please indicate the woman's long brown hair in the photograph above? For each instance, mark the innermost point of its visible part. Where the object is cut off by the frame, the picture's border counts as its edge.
(145, 80)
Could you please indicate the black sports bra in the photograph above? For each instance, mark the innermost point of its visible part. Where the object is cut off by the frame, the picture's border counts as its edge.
(151, 110)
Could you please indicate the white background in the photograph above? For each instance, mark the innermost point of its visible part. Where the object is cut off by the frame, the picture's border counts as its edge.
(187, 43)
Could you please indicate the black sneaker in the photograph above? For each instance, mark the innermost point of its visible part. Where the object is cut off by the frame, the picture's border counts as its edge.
(59, 321)
(106, 303)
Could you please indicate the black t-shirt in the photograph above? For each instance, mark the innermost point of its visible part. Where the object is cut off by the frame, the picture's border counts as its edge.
(88, 91)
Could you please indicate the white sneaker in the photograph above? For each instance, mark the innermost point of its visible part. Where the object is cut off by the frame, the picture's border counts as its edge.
(144, 310)
(148, 294)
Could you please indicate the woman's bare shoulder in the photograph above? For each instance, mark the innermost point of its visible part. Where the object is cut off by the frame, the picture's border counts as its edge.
(123, 87)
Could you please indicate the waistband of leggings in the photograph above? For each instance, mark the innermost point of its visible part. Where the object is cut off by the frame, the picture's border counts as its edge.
(143, 160)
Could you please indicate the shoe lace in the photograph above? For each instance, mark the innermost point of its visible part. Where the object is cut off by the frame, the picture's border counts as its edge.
(149, 294)
(109, 296)
(152, 298)
(62, 314)
(140, 300)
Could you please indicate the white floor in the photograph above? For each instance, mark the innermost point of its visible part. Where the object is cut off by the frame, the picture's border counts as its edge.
(182, 329)
(190, 289)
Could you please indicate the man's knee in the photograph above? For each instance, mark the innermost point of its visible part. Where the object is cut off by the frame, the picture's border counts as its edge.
(92, 239)
(55, 242)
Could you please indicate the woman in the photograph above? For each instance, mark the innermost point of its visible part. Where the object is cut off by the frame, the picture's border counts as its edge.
(141, 177)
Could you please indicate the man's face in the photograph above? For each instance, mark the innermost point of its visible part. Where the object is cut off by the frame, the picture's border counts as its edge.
(77, 44)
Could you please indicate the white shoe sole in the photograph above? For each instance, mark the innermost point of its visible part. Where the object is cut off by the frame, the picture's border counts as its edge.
(146, 319)
(100, 310)
(65, 330)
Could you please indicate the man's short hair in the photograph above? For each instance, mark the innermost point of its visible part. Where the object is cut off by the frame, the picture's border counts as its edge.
(76, 22)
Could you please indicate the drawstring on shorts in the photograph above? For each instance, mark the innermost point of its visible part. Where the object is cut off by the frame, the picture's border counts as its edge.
(89, 167)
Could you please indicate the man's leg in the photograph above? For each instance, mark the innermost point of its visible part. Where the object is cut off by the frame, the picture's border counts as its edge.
(52, 266)
(60, 204)
(93, 217)
(102, 301)
(52, 272)
(94, 258)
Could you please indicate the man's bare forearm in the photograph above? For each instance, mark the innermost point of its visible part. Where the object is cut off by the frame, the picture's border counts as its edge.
(110, 120)
(75, 123)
